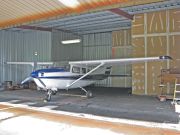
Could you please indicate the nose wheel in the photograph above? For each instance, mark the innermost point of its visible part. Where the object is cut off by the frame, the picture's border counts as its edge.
(48, 96)
(50, 92)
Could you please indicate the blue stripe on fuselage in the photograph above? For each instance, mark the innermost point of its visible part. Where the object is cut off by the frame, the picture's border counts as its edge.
(34, 74)
(89, 77)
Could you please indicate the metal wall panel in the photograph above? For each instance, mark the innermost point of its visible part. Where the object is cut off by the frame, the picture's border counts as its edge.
(67, 52)
(21, 46)
(98, 46)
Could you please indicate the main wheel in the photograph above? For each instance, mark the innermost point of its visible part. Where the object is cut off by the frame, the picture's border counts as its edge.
(89, 94)
(54, 92)
(48, 98)
(178, 102)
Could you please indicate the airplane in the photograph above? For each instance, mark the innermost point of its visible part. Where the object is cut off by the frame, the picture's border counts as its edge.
(80, 74)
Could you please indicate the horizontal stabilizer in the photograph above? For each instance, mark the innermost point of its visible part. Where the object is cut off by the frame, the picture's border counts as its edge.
(30, 63)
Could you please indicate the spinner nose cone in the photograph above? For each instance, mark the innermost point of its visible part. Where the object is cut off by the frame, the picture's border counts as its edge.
(34, 74)
(165, 58)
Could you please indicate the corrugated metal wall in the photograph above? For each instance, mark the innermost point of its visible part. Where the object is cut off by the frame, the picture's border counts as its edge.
(107, 46)
(98, 46)
(68, 52)
(21, 46)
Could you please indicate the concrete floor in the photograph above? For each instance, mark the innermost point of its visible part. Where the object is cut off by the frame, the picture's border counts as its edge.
(108, 102)
(20, 120)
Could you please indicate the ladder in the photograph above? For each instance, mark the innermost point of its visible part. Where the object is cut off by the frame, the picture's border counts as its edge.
(176, 97)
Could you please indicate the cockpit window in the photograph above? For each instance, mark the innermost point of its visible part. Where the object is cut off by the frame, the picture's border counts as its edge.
(76, 69)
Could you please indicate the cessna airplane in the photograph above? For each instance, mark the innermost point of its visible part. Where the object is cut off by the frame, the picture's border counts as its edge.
(81, 74)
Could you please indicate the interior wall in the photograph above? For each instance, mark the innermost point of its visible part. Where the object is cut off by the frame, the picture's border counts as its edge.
(154, 34)
(21, 46)
(65, 52)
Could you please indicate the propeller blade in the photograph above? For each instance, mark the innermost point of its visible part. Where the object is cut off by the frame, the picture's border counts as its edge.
(26, 80)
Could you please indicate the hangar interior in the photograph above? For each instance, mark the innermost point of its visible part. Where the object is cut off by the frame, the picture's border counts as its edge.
(107, 29)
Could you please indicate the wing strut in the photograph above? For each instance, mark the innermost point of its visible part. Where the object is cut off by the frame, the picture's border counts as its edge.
(85, 74)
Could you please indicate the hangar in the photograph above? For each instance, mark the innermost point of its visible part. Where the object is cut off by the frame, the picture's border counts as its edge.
(105, 29)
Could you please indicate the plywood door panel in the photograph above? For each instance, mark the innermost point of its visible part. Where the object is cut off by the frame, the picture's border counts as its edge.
(175, 51)
(155, 46)
(153, 79)
(138, 47)
(156, 22)
(138, 76)
(138, 24)
(121, 38)
(174, 20)
(138, 79)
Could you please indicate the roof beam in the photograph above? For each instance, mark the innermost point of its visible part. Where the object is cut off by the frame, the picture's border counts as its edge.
(122, 13)
(35, 28)
(48, 29)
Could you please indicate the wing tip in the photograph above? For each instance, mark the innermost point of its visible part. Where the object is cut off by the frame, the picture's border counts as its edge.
(165, 57)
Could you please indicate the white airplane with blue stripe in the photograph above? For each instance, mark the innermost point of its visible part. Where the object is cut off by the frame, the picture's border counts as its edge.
(80, 75)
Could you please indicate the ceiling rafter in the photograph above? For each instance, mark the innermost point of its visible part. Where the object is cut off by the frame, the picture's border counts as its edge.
(122, 13)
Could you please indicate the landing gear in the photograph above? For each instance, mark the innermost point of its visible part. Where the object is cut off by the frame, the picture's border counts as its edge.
(50, 92)
(48, 96)
(88, 93)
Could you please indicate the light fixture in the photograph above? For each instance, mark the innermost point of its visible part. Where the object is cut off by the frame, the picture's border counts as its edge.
(71, 41)
(70, 3)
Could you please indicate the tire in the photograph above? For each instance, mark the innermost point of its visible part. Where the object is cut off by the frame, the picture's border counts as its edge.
(48, 98)
(89, 94)
(178, 102)
(54, 92)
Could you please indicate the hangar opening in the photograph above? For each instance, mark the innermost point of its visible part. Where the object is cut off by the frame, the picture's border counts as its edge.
(51, 35)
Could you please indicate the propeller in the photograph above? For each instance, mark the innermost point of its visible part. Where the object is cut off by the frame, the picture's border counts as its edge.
(27, 80)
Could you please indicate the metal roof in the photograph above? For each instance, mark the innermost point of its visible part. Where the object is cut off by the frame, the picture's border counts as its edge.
(14, 12)
(93, 22)
(17, 12)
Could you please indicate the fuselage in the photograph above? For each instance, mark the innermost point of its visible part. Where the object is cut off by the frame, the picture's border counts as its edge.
(58, 78)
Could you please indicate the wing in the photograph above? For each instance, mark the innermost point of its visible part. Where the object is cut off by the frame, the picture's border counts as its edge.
(119, 61)
(100, 63)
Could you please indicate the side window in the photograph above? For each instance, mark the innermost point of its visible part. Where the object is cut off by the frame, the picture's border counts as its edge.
(88, 69)
(76, 70)
(83, 70)
(42, 74)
